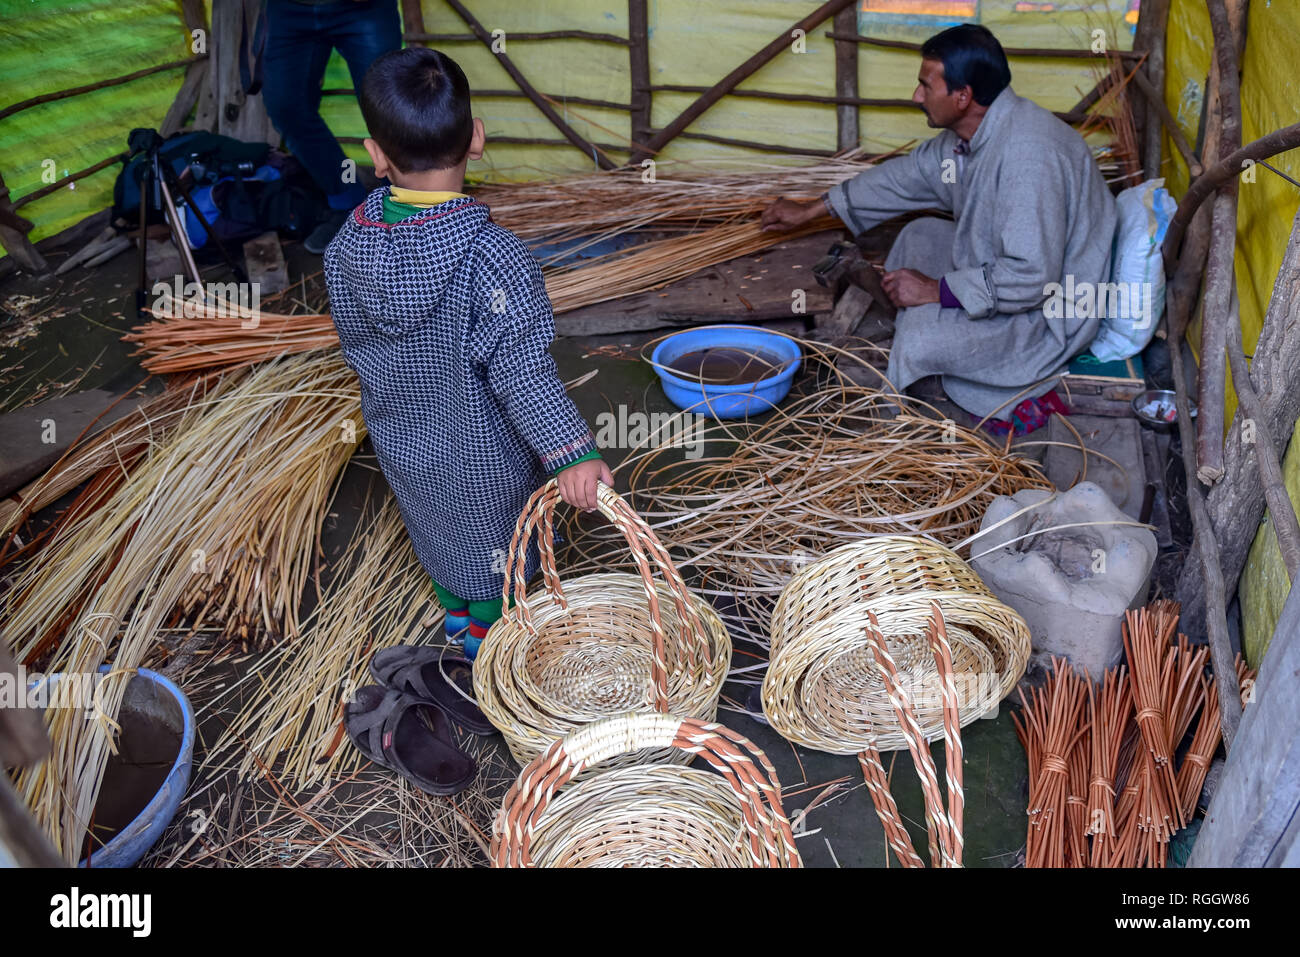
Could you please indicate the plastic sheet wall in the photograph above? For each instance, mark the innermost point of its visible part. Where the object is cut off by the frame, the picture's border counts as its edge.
(1270, 94)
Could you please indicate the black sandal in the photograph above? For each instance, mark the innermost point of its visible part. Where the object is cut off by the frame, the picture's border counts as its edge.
(418, 671)
(390, 729)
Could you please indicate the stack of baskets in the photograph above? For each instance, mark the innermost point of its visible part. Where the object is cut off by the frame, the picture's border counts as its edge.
(823, 689)
(645, 815)
(600, 645)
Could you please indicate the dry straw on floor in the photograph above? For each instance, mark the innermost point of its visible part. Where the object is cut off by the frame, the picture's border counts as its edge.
(573, 807)
(602, 644)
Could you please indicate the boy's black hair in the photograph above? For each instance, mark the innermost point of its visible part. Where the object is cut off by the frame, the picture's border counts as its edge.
(415, 103)
(971, 56)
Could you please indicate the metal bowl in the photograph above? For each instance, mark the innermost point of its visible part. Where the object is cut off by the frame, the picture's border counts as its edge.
(1165, 399)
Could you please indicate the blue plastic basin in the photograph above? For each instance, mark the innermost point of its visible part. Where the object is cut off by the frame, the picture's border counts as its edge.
(727, 401)
(161, 702)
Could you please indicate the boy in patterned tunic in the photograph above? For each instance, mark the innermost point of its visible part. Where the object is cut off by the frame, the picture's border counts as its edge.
(444, 317)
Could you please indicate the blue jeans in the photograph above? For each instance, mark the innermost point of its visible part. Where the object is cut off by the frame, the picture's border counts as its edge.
(299, 40)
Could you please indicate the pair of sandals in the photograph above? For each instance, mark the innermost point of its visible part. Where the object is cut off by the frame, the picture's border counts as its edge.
(405, 723)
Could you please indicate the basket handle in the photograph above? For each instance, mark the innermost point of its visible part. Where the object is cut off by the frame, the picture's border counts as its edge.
(743, 764)
(646, 550)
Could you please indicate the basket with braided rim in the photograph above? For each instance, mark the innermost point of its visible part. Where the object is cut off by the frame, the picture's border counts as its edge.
(568, 654)
(821, 688)
(645, 815)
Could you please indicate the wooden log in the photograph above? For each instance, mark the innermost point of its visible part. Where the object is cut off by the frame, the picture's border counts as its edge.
(1206, 546)
(1236, 503)
(15, 241)
(517, 140)
(846, 80)
(638, 28)
(733, 79)
(850, 309)
(236, 113)
(1047, 52)
(13, 108)
(1280, 507)
(413, 19)
(1223, 244)
(569, 133)
(1091, 98)
(1153, 22)
(186, 98)
(264, 260)
(1252, 817)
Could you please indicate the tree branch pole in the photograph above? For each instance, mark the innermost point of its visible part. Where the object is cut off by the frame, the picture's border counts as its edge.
(1153, 22)
(1157, 103)
(1211, 397)
(1279, 141)
(638, 31)
(569, 133)
(1280, 507)
(733, 79)
(1236, 503)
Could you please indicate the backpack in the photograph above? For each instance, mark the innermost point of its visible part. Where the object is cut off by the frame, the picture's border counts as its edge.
(242, 189)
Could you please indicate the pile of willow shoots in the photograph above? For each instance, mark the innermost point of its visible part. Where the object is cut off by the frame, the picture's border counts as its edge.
(1105, 790)
(835, 463)
(221, 519)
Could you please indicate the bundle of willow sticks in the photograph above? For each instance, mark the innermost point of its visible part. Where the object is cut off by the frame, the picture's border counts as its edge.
(836, 463)
(1102, 755)
(219, 519)
(715, 214)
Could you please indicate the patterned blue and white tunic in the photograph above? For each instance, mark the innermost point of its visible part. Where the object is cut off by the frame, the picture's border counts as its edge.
(444, 317)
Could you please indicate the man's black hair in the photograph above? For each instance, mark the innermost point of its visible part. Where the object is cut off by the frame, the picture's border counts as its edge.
(415, 103)
(971, 56)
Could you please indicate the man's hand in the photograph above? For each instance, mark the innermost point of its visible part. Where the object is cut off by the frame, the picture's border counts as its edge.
(907, 287)
(789, 214)
(578, 483)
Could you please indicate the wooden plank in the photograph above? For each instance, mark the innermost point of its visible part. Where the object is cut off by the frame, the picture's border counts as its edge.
(186, 97)
(1251, 819)
(734, 78)
(756, 288)
(849, 311)
(264, 260)
(638, 28)
(846, 79)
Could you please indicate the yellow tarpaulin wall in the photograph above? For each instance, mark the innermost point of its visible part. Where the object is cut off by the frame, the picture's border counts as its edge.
(56, 44)
(1270, 94)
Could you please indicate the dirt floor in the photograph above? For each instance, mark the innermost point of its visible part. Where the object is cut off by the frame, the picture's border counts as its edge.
(63, 336)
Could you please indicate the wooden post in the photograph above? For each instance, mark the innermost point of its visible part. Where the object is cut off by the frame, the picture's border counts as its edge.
(539, 101)
(1153, 23)
(846, 79)
(1252, 821)
(13, 236)
(638, 29)
(236, 114)
(1223, 244)
(412, 17)
(196, 74)
(734, 78)
(1236, 503)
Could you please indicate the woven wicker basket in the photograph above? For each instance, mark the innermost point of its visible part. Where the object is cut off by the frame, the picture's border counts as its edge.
(567, 655)
(821, 688)
(646, 815)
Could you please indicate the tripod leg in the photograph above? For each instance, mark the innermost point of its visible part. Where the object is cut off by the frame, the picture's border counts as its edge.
(178, 237)
(235, 266)
(144, 220)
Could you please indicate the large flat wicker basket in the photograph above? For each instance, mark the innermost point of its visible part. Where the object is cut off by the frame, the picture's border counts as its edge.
(569, 654)
(822, 689)
(645, 815)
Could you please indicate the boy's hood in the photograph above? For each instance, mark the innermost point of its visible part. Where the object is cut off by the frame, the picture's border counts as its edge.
(398, 272)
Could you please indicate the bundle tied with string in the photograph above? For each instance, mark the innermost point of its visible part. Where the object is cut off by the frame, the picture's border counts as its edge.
(560, 814)
(822, 689)
(603, 644)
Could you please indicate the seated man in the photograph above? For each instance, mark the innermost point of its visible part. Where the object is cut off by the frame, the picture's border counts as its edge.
(1030, 208)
